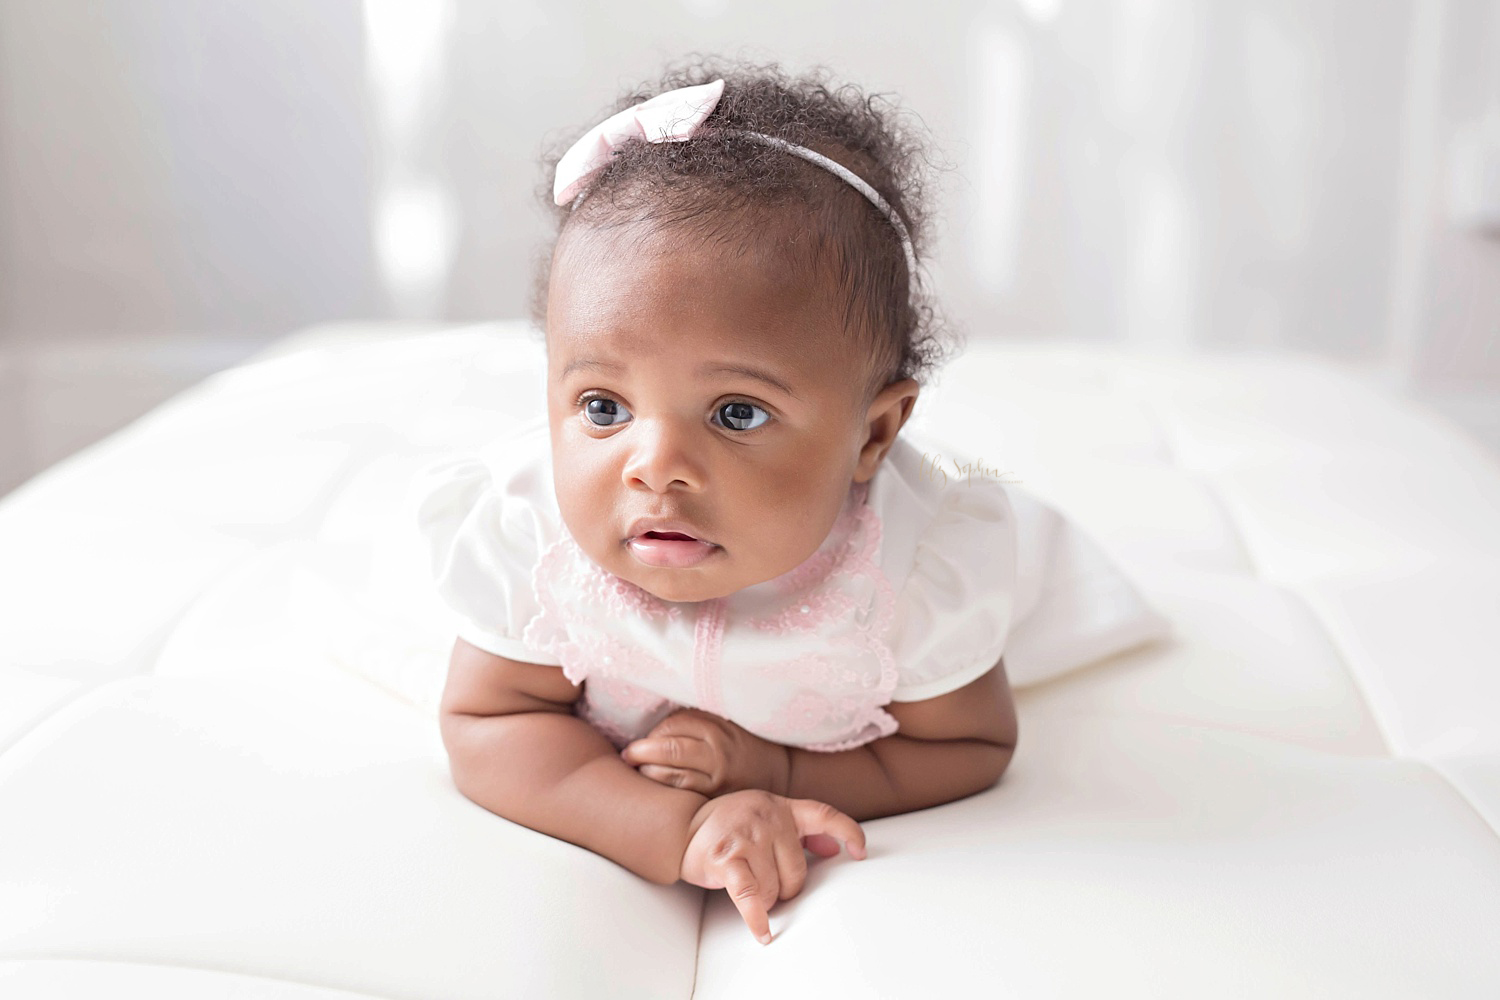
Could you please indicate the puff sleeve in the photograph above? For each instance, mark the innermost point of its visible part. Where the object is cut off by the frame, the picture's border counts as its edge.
(482, 544)
(954, 611)
(1075, 605)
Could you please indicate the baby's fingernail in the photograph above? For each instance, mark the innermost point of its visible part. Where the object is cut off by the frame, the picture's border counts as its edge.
(765, 938)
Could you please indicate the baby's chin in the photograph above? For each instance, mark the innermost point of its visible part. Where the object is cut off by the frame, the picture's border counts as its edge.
(681, 586)
(721, 574)
(714, 578)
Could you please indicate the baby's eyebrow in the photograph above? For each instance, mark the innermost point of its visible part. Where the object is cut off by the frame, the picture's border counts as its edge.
(759, 374)
(579, 363)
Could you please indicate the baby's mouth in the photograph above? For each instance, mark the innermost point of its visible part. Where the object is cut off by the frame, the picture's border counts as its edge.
(670, 549)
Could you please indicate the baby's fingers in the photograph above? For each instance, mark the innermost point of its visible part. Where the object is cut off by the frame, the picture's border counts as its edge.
(791, 865)
(679, 752)
(749, 890)
(676, 760)
(693, 781)
(821, 844)
(814, 817)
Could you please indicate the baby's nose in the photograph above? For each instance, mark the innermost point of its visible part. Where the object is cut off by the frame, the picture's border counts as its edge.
(663, 457)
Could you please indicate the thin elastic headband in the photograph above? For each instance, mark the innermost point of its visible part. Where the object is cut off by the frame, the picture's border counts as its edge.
(674, 116)
(835, 167)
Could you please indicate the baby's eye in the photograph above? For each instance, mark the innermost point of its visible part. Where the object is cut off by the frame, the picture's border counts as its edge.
(741, 416)
(611, 412)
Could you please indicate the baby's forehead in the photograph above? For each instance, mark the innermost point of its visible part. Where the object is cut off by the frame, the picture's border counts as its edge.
(693, 349)
(794, 365)
(750, 290)
(760, 234)
(767, 266)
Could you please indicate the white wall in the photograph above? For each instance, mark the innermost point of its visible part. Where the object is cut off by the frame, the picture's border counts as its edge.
(1450, 334)
(179, 182)
(1169, 173)
(174, 165)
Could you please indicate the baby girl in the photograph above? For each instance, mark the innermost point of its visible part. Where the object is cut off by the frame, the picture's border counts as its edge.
(716, 607)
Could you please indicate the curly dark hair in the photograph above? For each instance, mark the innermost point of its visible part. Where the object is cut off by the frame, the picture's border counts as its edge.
(715, 182)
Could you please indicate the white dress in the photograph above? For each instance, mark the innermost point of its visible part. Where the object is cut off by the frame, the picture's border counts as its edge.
(918, 589)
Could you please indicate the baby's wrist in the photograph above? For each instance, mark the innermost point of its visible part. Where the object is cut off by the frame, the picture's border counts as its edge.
(775, 767)
(690, 830)
(768, 769)
(784, 772)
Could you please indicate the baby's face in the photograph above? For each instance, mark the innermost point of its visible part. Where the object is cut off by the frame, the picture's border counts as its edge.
(695, 385)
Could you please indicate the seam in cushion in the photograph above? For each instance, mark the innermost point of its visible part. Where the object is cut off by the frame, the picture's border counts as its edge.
(339, 991)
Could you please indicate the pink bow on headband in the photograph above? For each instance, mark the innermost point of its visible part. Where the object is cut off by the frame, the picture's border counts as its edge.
(670, 116)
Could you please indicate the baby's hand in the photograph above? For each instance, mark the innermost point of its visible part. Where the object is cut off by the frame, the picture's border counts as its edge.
(710, 755)
(750, 843)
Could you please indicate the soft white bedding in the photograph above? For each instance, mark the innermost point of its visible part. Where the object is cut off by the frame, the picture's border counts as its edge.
(216, 779)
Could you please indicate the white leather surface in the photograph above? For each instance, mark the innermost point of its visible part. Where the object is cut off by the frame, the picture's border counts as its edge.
(1146, 858)
(210, 783)
(125, 981)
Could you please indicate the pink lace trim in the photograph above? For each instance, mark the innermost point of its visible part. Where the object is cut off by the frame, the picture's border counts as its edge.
(839, 691)
(807, 613)
(823, 600)
(591, 654)
(811, 601)
(813, 571)
(565, 568)
(605, 693)
(629, 696)
(817, 568)
(812, 710)
(708, 642)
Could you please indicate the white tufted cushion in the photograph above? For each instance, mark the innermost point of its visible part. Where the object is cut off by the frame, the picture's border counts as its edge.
(1297, 794)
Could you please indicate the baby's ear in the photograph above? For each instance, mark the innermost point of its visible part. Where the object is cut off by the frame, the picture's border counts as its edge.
(888, 411)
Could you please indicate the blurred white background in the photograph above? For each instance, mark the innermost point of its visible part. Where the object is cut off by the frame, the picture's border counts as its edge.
(183, 182)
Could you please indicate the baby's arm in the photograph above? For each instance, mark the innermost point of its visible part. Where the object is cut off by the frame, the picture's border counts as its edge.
(947, 748)
(515, 748)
